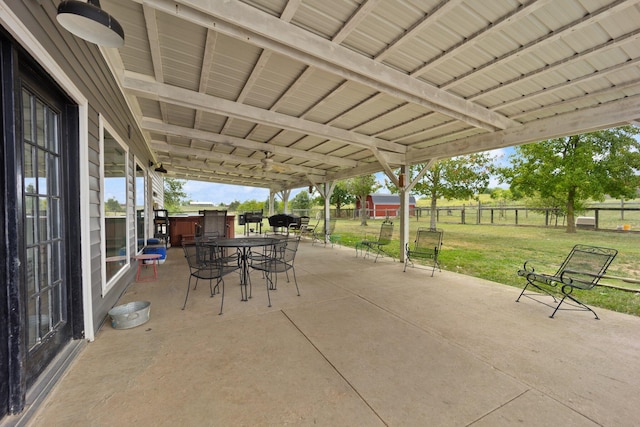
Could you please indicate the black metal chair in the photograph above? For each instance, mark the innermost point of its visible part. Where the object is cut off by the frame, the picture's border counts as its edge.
(278, 258)
(210, 237)
(299, 226)
(377, 246)
(427, 246)
(205, 263)
(582, 269)
(309, 230)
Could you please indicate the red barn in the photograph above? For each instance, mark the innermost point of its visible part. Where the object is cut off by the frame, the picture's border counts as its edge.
(385, 205)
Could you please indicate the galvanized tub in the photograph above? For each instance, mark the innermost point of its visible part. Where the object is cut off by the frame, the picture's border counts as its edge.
(130, 315)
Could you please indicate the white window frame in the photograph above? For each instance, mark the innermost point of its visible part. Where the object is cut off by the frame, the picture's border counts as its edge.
(108, 285)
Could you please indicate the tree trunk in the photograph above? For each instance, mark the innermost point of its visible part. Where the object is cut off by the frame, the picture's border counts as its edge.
(363, 211)
(571, 222)
(434, 211)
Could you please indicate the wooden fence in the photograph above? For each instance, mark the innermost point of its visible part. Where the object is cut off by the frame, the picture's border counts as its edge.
(603, 218)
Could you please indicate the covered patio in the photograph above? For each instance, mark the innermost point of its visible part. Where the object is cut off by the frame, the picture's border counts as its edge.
(364, 345)
(286, 95)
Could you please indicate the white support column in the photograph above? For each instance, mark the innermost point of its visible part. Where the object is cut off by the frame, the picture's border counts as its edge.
(326, 192)
(285, 200)
(272, 199)
(405, 189)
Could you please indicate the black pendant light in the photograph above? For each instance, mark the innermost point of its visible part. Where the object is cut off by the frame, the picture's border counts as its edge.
(161, 169)
(89, 22)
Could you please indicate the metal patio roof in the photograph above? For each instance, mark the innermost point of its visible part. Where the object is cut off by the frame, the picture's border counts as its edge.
(284, 94)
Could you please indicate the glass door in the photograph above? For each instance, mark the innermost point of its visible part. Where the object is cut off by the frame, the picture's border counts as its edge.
(43, 219)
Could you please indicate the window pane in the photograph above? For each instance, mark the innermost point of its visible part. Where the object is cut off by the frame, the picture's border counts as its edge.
(52, 132)
(32, 270)
(54, 184)
(56, 305)
(44, 218)
(56, 270)
(56, 221)
(44, 313)
(42, 172)
(29, 169)
(39, 120)
(31, 219)
(33, 336)
(43, 267)
(140, 207)
(115, 204)
(26, 117)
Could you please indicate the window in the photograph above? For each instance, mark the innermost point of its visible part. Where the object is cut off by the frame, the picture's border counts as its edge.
(141, 206)
(115, 207)
(43, 219)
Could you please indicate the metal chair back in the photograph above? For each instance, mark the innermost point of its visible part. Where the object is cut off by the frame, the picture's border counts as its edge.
(586, 265)
(386, 233)
(214, 221)
(427, 245)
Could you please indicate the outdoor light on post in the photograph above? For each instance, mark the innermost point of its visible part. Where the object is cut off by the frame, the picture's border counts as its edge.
(401, 180)
(88, 21)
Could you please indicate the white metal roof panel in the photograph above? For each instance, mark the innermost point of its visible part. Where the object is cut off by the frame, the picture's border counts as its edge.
(364, 80)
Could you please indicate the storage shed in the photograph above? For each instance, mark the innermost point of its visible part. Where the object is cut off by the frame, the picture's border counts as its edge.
(385, 205)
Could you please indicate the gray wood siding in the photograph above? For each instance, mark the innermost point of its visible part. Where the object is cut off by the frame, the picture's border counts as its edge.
(84, 65)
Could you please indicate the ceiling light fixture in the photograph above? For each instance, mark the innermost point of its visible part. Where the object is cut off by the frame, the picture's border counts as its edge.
(161, 169)
(89, 22)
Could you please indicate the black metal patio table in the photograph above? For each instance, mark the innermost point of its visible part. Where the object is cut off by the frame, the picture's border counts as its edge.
(244, 246)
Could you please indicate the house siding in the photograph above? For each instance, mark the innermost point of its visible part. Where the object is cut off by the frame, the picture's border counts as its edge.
(70, 59)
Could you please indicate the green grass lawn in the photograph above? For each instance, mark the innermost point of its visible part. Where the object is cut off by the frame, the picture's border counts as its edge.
(497, 252)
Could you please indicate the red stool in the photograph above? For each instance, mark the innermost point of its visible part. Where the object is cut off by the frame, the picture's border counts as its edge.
(154, 258)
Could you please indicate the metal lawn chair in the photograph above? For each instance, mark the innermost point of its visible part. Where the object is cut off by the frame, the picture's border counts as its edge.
(427, 246)
(309, 230)
(299, 226)
(278, 258)
(205, 263)
(324, 234)
(581, 270)
(366, 246)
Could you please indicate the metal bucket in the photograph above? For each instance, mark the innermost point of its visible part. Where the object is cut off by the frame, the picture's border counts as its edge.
(130, 315)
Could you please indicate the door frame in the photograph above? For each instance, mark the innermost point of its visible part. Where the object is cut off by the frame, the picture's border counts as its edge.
(14, 355)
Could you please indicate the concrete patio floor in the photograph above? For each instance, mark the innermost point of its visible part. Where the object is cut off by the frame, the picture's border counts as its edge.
(365, 344)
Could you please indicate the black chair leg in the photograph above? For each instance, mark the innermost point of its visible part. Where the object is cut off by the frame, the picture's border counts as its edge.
(188, 288)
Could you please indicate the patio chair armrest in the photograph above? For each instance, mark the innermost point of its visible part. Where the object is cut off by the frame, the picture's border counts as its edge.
(547, 279)
(573, 278)
(537, 267)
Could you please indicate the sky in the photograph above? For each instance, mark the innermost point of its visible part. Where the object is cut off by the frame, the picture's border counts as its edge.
(208, 192)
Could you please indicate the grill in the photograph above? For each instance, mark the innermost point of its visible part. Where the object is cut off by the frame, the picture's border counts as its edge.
(248, 218)
(281, 222)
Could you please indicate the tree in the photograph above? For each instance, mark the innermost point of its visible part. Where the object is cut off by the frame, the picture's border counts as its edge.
(361, 187)
(340, 196)
(174, 195)
(569, 171)
(460, 177)
(276, 205)
(113, 205)
(302, 201)
(251, 206)
(233, 206)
